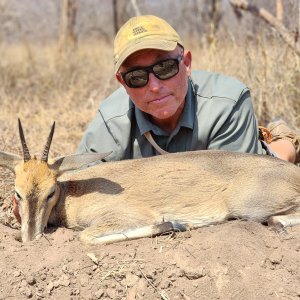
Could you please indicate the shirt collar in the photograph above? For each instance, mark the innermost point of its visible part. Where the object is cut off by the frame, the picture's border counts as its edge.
(186, 119)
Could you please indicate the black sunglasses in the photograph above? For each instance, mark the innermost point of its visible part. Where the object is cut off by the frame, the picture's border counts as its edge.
(164, 69)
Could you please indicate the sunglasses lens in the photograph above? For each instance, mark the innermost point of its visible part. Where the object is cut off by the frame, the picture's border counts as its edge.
(137, 78)
(162, 70)
(166, 69)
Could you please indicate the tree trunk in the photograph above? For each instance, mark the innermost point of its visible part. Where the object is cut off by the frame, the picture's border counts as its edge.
(67, 38)
(279, 10)
(115, 16)
(215, 15)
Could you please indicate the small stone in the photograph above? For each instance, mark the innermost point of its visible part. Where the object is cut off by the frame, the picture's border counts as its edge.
(23, 283)
(171, 273)
(104, 254)
(111, 293)
(276, 258)
(65, 268)
(84, 280)
(43, 277)
(95, 267)
(30, 280)
(75, 292)
(113, 285)
(193, 274)
(99, 293)
(64, 280)
(131, 279)
(165, 284)
(50, 286)
(28, 293)
(17, 274)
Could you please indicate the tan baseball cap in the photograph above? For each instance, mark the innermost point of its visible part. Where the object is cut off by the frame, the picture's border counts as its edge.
(143, 32)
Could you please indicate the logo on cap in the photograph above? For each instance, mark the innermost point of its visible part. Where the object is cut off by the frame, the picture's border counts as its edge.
(138, 30)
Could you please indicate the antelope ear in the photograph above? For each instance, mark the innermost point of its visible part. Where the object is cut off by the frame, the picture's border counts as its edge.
(76, 161)
(9, 160)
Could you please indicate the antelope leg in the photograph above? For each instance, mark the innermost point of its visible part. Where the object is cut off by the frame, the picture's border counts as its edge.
(282, 221)
(93, 235)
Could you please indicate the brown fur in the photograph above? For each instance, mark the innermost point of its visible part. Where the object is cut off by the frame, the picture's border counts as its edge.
(123, 200)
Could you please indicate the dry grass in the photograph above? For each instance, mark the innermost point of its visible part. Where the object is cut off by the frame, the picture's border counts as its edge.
(269, 68)
(39, 85)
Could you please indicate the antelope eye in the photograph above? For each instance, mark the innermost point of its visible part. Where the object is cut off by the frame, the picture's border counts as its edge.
(18, 196)
(51, 195)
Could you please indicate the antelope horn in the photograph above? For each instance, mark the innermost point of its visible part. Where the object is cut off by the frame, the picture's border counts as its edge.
(23, 142)
(48, 144)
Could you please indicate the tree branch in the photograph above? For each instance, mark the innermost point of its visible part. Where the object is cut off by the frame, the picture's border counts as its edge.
(286, 35)
(136, 8)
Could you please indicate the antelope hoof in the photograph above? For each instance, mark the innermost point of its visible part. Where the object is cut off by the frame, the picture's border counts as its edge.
(276, 225)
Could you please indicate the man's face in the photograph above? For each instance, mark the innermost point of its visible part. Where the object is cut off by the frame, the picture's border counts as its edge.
(162, 99)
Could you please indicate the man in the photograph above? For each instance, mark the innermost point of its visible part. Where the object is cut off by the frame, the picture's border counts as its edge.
(163, 106)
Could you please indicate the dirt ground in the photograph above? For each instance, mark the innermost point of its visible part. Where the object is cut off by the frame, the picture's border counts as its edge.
(235, 260)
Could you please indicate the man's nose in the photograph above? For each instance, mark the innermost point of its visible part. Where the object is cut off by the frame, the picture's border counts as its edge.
(154, 83)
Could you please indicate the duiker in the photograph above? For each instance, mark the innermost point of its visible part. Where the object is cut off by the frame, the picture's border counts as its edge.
(117, 201)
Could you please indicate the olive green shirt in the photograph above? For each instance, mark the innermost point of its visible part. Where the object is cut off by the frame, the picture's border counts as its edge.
(218, 114)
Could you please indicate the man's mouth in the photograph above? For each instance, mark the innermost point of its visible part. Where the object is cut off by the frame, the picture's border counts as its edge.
(160, 99)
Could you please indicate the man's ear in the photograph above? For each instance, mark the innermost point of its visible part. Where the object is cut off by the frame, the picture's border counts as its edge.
(187, 60)
(119, 78)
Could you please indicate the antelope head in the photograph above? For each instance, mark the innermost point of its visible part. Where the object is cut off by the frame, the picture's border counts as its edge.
(36, 186)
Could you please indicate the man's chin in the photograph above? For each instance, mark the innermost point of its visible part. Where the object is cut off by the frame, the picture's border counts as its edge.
(163, 115)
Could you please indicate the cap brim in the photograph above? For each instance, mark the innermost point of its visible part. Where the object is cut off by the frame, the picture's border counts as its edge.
(145, 44)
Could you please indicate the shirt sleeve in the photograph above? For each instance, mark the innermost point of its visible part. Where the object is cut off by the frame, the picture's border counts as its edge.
(236, 128)
(97, 138)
